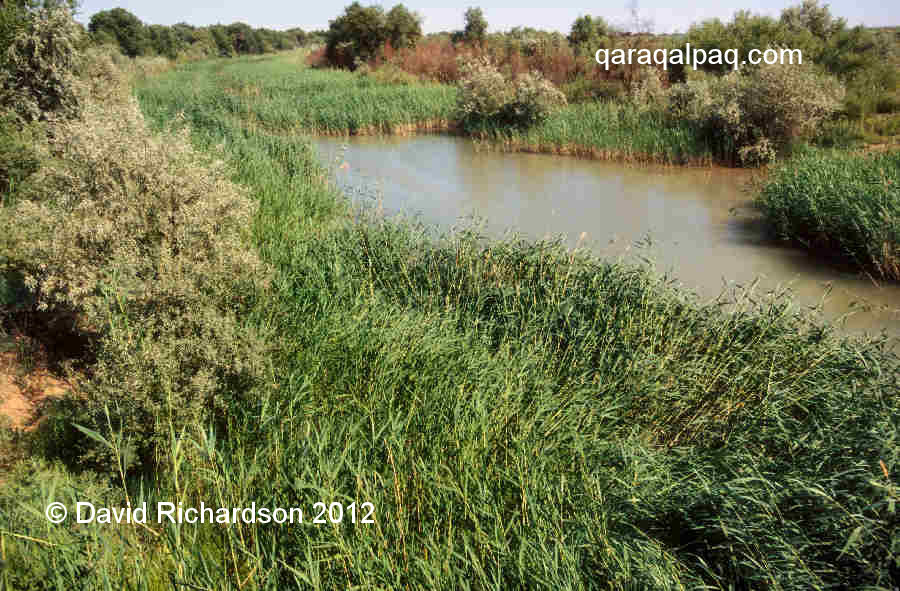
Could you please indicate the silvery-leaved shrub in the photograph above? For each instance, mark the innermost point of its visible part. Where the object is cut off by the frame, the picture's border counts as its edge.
(487, 96)
(142, 241)
(535, 99)
(648, 91)
(789, 101)
(483, 91)
(749, 117)
(38, 78)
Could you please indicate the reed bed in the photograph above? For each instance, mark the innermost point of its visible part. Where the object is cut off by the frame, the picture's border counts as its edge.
(520, 416)
(607, 130)
(283, 96)
(841, 205)
(280, 95)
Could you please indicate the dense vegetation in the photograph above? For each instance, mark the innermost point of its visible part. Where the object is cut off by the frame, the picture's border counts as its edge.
(520, 416)
(535, 91)
(134, 38)
(864, 62)
(325, 102)
(840, 204)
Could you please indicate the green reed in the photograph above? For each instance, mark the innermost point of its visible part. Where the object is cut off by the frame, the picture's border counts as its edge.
(520, 416)
(839, 204)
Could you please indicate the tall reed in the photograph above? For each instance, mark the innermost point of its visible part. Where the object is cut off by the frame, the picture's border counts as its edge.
(839, 204)
(519, 415)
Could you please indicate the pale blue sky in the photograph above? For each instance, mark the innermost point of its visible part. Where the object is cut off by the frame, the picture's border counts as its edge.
(666, 15)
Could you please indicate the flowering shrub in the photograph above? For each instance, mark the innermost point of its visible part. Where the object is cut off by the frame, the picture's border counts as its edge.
(648, 90)
(535, 99)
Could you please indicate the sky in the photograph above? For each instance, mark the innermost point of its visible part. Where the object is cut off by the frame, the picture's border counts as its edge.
(665, 16)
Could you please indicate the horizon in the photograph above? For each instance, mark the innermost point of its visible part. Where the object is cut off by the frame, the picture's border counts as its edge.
(500, 14)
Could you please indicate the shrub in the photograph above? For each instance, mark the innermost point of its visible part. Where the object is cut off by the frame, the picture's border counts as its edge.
(748, 117)
(19, 157)
(535, 99)
(648, 91)
(483, 91)
(786, 101)
(887, 104)
(485, 95)
(39, 79)
(391, 74)
(141, 240)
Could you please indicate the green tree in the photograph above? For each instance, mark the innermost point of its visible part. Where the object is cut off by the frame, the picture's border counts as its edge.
(164, 41)
(244, 39)
(356, 35)
(127, 29)
(587, 34)
(475, 29)
(812, 17)
(223, 42)
(404, 28)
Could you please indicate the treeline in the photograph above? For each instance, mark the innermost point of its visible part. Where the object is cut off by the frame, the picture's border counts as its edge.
(135, 38)
(863, 59)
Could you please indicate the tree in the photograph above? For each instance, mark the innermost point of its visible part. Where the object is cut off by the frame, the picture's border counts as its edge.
(813, 18)
(356, 35)
(244, 38)
(475, 28)
(127, 29)
(587, 34)
(164, 41)
(222, 40)
(404, 28)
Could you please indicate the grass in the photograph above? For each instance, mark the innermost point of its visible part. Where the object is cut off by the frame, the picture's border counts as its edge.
(608, 130)
(282, 95)
(843, 205)
(519, 415)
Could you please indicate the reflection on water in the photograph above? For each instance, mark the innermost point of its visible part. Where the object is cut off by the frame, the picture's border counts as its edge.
(694, 223)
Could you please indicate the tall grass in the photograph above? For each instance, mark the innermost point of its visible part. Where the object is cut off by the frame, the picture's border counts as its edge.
(281, 94)
(520, 416)
(609, 131)
(840, 204)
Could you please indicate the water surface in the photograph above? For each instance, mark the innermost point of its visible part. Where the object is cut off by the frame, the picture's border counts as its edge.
(694, 223)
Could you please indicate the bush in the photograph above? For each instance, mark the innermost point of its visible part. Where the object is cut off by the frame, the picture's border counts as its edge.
(142, 241)
(584, 89)
(535, 99)
(648, 91)
(391, 74)
(486, 96)
(19, 158)
(483, 91)
(39, 79)
(887, 103)
(749, 117)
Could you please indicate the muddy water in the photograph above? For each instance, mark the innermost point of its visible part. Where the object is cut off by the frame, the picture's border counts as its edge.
(695, 224)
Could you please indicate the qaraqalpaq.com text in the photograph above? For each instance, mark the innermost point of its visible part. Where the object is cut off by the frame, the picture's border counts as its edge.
(696, 57)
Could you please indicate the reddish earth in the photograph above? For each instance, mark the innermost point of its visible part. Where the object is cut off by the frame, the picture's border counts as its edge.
(23, 389)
